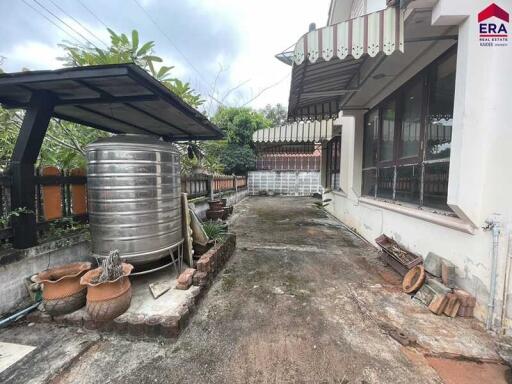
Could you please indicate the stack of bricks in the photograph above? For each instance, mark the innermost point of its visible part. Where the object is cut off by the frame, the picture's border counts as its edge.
(441, 299)
(212, 261)
(185, 279)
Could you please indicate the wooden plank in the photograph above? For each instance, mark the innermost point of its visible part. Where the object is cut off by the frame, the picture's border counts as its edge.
(187, 231)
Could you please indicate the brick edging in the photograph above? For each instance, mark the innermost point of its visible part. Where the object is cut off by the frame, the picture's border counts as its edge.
(208, 266)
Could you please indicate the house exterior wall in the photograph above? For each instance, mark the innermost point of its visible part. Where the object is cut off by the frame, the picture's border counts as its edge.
(342, 10)
(480, 181)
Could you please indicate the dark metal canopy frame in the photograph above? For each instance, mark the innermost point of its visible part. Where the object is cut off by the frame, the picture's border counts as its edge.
(121, 98)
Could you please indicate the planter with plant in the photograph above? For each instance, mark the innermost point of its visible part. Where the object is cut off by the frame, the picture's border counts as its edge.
(109, 291)
(216, 232)
(62, 292)
(215, 205)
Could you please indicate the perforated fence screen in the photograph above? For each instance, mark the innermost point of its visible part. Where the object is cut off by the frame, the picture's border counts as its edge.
(292, 183)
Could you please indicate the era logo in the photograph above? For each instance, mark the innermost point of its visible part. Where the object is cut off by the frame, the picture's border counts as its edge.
(492, 28)
(493, 23)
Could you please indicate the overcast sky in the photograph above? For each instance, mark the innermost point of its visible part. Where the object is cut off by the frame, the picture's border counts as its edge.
(239, 36)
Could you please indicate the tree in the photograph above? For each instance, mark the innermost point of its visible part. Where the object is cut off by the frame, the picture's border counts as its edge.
(277, 114)
(65, 141)
(236, 153)
(125, 50)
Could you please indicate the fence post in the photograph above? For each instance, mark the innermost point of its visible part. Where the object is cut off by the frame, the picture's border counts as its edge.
(26, 150)
(210, 186)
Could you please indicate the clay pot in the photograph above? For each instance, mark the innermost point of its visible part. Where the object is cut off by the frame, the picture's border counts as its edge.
(414, 279)
(62, 292)
(215, 214)
(215, 205)
(110, 299)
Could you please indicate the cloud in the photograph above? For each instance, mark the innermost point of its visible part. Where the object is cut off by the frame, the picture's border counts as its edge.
(33, 55)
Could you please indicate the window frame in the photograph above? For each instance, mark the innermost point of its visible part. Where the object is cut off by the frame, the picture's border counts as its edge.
(333, 156)
(426, 78)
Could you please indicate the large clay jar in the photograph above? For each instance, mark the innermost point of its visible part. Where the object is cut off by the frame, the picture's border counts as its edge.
(62, 292)
(110, 299)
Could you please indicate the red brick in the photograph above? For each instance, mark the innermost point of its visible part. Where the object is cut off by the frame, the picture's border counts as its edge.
(438, 304)
(200, 279)
(185, 279)
(453, 305)
(466, 299)
(170, 327)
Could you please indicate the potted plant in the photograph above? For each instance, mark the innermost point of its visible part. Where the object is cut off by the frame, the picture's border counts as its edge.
(62, 292)
(109, 291)
(215, 205)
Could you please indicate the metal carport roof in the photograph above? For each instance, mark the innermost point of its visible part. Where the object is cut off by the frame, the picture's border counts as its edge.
(120, 98)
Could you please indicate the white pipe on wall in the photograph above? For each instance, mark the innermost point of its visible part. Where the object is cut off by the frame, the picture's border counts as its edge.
(506, 283)
(494, 226)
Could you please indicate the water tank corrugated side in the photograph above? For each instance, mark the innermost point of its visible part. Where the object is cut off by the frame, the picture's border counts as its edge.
(133, 190)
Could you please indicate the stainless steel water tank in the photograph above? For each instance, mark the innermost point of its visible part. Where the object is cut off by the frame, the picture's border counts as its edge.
(133, 184)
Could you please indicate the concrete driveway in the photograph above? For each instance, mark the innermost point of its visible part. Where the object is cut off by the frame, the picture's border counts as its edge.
(301, 301)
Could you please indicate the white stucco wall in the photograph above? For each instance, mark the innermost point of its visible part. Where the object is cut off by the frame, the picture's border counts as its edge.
(480, 182)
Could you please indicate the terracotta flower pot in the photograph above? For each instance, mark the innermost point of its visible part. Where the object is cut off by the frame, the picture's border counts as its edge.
(62, 292)
(110, 299)
(215, 205)
(214, 214)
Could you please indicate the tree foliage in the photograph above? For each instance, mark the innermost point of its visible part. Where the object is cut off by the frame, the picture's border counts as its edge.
(277, 114)
(65, 141)
(236, 153)
(124, 49)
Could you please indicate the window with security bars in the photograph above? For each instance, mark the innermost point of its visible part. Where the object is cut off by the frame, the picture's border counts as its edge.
(333, 160)
(407, 139)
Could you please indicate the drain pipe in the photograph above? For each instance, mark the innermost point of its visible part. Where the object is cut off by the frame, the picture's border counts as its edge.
(506, 284)
(18, 315)
(492, 225)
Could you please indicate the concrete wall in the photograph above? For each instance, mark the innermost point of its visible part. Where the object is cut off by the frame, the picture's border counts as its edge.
(293, 183)
(201, 204)
(16, 265)
(480, 182)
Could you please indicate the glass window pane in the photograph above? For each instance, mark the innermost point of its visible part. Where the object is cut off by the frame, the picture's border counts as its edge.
(388, 131)
(408, 184)
(371, 139)
(440, 115)
(411, 121)
(385, 182)
(369, 182)
(435, 185)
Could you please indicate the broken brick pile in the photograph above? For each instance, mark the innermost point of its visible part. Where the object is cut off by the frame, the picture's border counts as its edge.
(197, 281)
(439, 292)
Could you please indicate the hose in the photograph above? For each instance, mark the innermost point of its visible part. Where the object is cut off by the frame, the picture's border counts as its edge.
(18, 315)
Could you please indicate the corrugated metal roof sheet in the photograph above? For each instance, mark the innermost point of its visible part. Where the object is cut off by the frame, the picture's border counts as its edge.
(120, 98)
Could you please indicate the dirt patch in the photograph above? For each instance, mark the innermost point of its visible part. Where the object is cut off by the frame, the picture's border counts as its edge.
(467, 372)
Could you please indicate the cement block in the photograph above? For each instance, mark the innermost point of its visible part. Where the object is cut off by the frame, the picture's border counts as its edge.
(425, 294)
(448, 273)
(438, 287)
(432, 264)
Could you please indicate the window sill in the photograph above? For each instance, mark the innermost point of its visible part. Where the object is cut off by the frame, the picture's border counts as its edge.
(337, 192)
(435, 218)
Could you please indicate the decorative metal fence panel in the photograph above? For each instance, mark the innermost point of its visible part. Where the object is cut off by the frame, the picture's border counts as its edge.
(288, 163)
(284, 183)
(62, 194)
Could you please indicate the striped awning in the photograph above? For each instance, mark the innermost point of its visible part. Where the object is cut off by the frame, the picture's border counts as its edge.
(297, 132)
(326, 61)
(381, 31)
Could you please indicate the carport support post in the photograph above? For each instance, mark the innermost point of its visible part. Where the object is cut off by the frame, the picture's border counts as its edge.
(26, 151)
